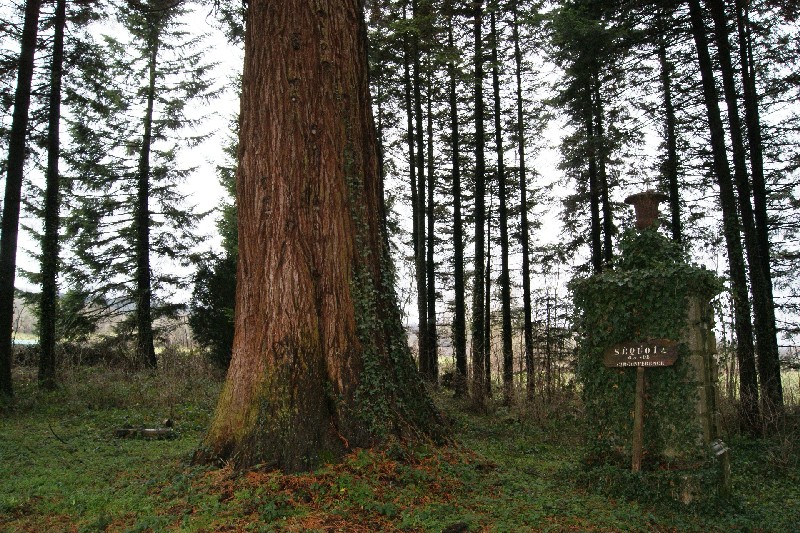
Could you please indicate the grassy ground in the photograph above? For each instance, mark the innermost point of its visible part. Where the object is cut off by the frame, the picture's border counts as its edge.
(63, 470)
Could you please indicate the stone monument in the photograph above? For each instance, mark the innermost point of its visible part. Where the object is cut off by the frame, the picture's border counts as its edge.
(646, 364)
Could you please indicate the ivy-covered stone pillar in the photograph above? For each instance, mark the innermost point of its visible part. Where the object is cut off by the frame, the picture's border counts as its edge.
(650, 296)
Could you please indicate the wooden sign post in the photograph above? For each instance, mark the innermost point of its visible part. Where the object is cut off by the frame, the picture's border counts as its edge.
(650, 353)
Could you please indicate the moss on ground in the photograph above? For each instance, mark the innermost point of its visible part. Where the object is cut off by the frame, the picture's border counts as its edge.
(63, 470)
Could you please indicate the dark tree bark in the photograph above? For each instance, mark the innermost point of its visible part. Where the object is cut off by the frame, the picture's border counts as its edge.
(15, 167)
(602, 175)
(594, 188)
(417, 232)
(478, 370)
(755, 144)
(430, 264)
(419, 209)
(505, 281)
(748, 385)
(487, 304)
(459, 317)
(669, 168)
(524, 229)
(766, 332)
(145, 351)
(320, 362)
(49, 261)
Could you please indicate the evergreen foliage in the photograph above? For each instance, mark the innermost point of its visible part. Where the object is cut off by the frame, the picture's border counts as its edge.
(214, 294)
(129, 122)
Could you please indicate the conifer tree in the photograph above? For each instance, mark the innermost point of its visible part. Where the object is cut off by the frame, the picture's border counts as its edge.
(588, 43)
(524, 236)
(15, 169)
(214, 292)
(459, 311)
(503, 193)
(748, 408)
(126, 135)
(49, 260)
(478, 391)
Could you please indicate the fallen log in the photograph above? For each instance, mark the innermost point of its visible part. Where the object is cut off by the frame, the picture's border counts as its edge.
(127, 432)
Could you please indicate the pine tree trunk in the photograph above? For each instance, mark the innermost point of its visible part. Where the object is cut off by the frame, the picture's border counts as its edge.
(49, 260)
(748, 386)
(669, 167)
(524, 229)
(594, 188)
(145, 351)
(419, 210)
(772, 391)
(768, 359)
(432, 337)
(478, 370)
(459, 318)
(505, 281)
(320, 362)
(487, 310)
(15, 167)
(602, 157)
(417, 232)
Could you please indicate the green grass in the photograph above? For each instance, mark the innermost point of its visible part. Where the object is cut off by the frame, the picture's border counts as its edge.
(63, 470)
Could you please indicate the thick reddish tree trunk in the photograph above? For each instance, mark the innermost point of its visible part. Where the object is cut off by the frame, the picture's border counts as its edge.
(320, 361)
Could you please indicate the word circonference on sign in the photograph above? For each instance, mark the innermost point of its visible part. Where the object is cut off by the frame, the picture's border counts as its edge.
(639, 362)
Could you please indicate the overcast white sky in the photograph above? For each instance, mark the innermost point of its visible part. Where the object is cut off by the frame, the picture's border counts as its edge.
(203, 186)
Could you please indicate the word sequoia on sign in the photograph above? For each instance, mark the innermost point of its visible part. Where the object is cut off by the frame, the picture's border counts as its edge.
(653, 352)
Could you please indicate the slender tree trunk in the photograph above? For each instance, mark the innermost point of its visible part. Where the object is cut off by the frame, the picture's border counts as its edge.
(753, 123)
(669, 167)
(417, 231)
(602, 157)
(748, 386)
(478, 370)
(419, 208)
(13, 195)
(548, 346)
(320, 361)
(380, 138)
(594, 188)
(769, 367)
(768, 360)
(524, 229)
(145, 352)
(505, 281)
(432, 337)
(487, 311)
(49, 262)
(459, 318)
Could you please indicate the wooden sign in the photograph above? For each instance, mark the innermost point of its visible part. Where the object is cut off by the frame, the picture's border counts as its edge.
(640, 354)
(652, 352)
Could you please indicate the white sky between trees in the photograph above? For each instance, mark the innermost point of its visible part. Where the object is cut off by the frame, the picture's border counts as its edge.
(206, 194)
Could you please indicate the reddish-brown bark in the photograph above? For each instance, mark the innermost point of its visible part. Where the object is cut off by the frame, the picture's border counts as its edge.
(319, 360)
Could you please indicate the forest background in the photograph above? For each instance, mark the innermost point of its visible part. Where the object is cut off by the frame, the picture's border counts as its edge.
(584, 103)
(577, 105)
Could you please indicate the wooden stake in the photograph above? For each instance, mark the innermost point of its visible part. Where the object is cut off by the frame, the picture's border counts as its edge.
(638, 421)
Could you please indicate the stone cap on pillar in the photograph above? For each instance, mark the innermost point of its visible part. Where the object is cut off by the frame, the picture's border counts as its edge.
(645, 204)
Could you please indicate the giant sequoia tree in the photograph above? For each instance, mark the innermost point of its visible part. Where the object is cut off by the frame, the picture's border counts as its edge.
(320, 362)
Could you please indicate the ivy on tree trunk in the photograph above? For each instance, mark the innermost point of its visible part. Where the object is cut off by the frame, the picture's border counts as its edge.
(320, 361)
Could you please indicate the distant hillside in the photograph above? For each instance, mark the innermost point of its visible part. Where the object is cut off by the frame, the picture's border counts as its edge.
(25, 327)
